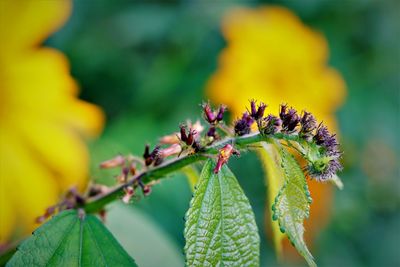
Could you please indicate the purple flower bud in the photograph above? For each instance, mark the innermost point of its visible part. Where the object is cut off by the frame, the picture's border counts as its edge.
(146, 153)
(221, 112)
(321, 135)
(308, 125)
(289, 118)
(243, 125)
(155, 152)
(212, 132)
(208, 113)
(323, 138)
(183, 133)
(190, 139)
(257, 113)
(149, 158)
(253, 110)
(260, 111)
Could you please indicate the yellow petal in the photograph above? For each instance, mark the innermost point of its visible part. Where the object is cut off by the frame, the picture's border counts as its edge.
(46, 81)
(58, 149)
(86, 117)
(30, 187)
(7, 216)
(26, 23)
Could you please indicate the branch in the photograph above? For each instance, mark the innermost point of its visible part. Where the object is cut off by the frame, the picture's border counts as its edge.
(96, 203)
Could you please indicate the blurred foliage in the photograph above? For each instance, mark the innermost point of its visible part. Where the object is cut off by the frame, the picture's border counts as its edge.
(147, 64)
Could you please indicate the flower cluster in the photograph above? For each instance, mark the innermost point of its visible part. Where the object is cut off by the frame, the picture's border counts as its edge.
(323, 160)
(316, 144)
(326, 166)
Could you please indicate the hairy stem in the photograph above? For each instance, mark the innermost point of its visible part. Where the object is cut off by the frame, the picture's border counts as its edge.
(96, 203)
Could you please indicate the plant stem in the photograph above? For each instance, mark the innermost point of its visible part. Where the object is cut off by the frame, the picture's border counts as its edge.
(96, 203)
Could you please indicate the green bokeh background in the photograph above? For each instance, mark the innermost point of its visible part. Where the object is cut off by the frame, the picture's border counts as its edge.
(146, 64)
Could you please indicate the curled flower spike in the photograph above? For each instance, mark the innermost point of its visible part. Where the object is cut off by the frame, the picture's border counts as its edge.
(325, 167)
(289, 118)
(224, 154)
(243, 125)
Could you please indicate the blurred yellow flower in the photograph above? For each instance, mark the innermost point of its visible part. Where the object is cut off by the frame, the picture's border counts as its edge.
(273, 57)
(42, 153)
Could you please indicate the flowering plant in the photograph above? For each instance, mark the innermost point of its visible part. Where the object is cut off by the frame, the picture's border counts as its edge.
(220, 227)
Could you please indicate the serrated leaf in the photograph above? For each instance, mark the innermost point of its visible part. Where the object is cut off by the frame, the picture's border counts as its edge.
(220, 227)
(270, 159)
(69, 239)
(292, 205)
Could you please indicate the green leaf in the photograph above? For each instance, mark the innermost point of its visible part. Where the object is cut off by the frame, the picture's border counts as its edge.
(71, 239)
(220, 229)
(292, 205)
(271, 163)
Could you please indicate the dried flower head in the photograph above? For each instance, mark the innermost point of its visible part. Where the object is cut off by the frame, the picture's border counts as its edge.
(308, 125)
(323, 138)
(290, 119)
(257, 112)
(149, 158)
(270, 125)
(243, 125)
(112, 163)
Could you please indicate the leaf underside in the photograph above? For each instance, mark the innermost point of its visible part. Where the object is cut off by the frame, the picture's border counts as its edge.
(71, 240)
(292, 205)
(270, 158)
(220, 226)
